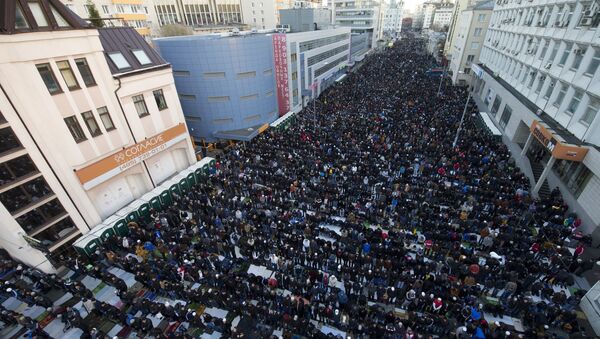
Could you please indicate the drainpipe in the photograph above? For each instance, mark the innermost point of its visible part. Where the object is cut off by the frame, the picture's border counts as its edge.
(131, 130)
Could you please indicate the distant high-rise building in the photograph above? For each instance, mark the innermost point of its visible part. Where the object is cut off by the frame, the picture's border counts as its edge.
(392, 18)
(362, 16)
(469, 41)
(133, 13)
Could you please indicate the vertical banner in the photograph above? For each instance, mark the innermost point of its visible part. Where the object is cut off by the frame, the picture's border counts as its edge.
(281, 72)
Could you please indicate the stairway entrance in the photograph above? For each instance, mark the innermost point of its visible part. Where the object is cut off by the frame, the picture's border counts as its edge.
(538, 157)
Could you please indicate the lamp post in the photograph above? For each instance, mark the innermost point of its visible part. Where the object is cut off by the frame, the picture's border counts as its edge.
(462, 118)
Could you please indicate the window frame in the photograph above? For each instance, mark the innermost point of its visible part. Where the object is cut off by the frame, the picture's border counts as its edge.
(139, 99)
(88, 121)
(103, 112)
(67, 68)
(110, 56)
(85, 67)
(162, 105)
(51, 72)
(76, 126)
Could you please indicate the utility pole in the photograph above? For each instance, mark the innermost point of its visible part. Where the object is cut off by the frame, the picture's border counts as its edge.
(462, 119)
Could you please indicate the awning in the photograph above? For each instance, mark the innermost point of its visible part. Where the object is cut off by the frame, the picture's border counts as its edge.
(490, 124)
(244, 134)
(559, 148)
(340, 78)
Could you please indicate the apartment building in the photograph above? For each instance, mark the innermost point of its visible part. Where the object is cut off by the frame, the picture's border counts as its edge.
(443, 16)
(260, 14)
(133, 13)
(195, 13)
(392, 19)
(539, 79)
(362, 16)
(459, 6)
(471, 32)
(89, 122)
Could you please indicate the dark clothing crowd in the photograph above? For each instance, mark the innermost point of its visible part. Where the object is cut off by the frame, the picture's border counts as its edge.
(366, 221)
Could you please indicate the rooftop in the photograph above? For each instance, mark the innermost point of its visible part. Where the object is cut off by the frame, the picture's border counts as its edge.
(126, 51)
(22, 16)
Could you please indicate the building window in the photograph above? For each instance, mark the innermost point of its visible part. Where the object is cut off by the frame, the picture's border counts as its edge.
(75, 128)
(246, 75)
(531, 79)
(218, 99)
(181, 73)
(249, 97)
(293, 57)
(160, 99)
(577, 59)
(477, 31)
(593, 66)
(591, 111)
(549, 90)
(540, 83)
(49, 78)
(86, 73)
(190, 97)
(496, 105)
(575, 175)
(294, 75)
(481, 18)
(269, 94)
(38, 13)
(565, 55)
(474, 45)
(268, 71)
(470, 58)
(575, 101)
(106, 119)
(561, 94)
(506, 114)
(208, 75)
(67, 73)
(119, 60)
(20, 21)
(91, 123)
(141, 57)
(140, 105)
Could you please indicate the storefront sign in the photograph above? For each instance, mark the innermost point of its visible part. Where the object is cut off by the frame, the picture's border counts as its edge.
(558, 149)
(102, 170)
(281, 72)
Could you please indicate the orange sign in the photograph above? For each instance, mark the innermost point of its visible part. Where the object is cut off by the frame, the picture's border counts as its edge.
(102, 170)
(558, 149)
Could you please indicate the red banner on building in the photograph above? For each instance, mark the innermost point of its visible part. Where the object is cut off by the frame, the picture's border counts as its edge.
(281, 72)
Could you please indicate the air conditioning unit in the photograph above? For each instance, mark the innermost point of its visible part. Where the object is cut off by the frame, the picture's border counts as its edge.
(530, 51)
(586, 21)
(578, 51)
(540, 10)
(539, 23)
(543, 77)
(548, 65)
(558, 24)
(588, 13)
(530, 40)
(532, 73)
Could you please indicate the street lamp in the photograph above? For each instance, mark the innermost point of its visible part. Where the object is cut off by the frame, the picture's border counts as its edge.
(462, 118)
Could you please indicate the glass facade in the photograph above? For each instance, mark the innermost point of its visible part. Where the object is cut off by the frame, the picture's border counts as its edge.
(26, 195)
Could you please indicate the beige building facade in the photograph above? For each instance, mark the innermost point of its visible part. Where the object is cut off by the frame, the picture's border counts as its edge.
(89, 122)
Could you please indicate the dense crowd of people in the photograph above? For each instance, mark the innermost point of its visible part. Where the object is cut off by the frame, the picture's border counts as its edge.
(368, 220)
